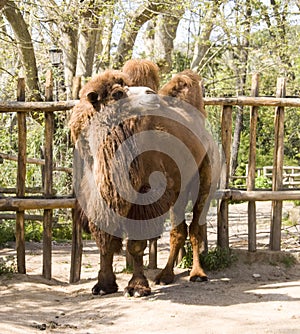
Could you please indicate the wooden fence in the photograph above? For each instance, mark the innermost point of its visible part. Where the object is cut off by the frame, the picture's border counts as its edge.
(21, 202)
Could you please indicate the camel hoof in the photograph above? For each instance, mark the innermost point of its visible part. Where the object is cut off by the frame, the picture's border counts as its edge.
(98, 289)
(137, 292)
(164, 279)
(199, 279)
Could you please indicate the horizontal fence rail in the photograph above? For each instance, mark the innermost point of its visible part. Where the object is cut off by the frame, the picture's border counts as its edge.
(13, 106)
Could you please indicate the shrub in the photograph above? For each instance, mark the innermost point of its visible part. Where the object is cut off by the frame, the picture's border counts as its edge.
(7, 231)
(216, 259)
(261, 182)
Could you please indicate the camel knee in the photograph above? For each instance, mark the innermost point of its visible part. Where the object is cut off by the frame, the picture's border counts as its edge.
(136, 247)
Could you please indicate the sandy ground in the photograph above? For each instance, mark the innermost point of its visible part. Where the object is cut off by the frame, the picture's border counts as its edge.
(258, 294)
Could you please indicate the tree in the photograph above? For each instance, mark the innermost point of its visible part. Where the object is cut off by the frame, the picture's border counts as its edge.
(25, 46)
(202, 40)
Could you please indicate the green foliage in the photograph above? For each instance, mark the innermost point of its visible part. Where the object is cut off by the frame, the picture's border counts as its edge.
(62, 232)
(187, 260)
(216, 258)
(7, 231)
(8, 265)
(261, 182)
(33, 231)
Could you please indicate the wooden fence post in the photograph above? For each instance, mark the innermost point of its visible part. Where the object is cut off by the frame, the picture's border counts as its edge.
(76, 254)
(277, 175)
(252, 167)
(21, 177)
(48, 181)
(226, 129)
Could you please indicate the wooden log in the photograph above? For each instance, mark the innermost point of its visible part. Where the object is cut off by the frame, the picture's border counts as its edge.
(258, 195)
(15, 204)
(76, 254)
(21, 177)
(36, 106)
(31, 190)
(12, 216)
(48, 192)
(222, 215)
(252, 167)
(36, 162)
(277, 178)
(47, 244)
(252, 101)
(222, 101)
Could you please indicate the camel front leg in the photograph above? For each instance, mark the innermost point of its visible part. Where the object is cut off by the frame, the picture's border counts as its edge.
(178, 236)
(108, 245)
(138, 286)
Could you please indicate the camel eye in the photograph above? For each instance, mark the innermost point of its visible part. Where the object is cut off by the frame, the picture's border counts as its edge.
(119, 94)
(149, 91)
(92, 97)
(120, 81)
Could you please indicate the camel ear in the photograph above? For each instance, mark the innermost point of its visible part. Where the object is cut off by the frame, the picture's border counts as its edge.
(92, 97)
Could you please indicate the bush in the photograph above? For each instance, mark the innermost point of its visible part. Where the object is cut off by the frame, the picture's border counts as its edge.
(261, 182)
(7, 232)
(62, 232)
(33, 231)
(216, 258)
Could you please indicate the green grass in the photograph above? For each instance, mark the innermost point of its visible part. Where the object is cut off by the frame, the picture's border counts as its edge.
(288, 260)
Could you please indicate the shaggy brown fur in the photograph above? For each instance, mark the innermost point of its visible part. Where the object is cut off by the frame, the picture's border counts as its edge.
(102, 90)
(142, 72)
(99, 91)
(186, 86)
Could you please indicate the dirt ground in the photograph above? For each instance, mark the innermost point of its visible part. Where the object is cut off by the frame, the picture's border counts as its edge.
(257, 294)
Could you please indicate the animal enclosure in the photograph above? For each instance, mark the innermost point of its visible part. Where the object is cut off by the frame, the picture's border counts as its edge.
(47, 201)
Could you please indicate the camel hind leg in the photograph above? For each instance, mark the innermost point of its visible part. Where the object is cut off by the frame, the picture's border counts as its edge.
(178, 236)
(197, 228)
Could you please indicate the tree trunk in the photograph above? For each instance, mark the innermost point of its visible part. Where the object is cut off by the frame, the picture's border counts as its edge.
(202, 44)
(69, 45)
(240, 57)
(165, 33)
(134, 22)
(19, 26)
(86, 44)
(104, 37)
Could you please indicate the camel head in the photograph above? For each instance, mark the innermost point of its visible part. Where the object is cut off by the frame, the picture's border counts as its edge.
(105, 88)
